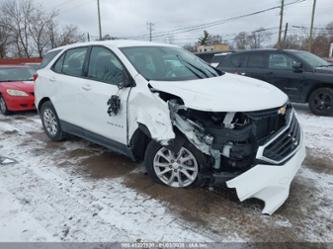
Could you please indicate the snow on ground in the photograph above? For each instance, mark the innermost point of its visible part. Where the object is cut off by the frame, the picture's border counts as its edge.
(76, 191)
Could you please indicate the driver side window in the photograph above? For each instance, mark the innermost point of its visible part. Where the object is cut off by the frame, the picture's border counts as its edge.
(104, 66)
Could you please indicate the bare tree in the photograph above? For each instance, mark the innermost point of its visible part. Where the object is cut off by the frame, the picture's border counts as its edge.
(241, 40)
(19, 16)
(27, 29)
(4, 39)
(39, 29)
(252, 40)
(70, 34)
(258, 37)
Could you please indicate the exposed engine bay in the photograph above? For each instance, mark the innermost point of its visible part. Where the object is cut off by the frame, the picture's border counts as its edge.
(231, 139)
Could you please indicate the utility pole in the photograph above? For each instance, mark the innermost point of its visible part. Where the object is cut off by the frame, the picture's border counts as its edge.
(285, 35)
(312, 23)
(150, 26)
(99, 21)
(281, 23)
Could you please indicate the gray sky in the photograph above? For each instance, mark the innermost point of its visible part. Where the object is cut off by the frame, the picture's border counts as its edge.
(129, 17)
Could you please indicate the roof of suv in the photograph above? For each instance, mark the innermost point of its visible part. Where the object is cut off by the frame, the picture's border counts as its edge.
(258, 50)
(115, 44)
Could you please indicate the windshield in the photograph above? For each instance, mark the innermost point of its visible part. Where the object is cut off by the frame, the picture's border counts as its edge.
(168, 64)
(9, 74)
(312, 59)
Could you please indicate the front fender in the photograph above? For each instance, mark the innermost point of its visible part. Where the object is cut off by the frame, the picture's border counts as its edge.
(147, 109)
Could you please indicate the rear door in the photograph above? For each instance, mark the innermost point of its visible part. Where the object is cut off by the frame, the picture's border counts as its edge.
(256, 66)
(66, 81)
(233, 63)
(282, 74)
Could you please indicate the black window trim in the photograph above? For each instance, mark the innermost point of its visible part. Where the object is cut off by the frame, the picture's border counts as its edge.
(85, 68)
(87, 63)
(64, 54)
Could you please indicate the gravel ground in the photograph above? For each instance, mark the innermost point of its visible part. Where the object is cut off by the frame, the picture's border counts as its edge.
(78, 191)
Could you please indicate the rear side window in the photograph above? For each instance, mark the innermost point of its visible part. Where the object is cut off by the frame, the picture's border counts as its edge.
(74, 61)
(256, 61)
(218, 58)
(48, 58)
(234, 61)
(57, 67)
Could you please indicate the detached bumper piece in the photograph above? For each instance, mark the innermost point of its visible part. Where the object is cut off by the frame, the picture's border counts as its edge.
(281, 158)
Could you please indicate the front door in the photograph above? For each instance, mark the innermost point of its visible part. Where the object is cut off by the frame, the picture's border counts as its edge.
(104, 74)
(282, 74)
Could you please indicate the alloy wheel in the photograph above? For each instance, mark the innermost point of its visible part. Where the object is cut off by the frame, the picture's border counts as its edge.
(323, 102)
(50, 122)
(178, 170)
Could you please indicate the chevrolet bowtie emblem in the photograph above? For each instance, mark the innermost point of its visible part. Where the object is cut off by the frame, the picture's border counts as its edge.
(282, 110)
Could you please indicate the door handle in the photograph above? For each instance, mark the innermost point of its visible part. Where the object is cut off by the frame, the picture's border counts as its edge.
(52, 79)
(86, 87)
(243, 74)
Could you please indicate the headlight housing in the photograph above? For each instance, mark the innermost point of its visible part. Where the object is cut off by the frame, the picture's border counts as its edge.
(18, 93)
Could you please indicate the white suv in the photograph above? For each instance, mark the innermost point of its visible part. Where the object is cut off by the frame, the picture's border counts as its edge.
(189, 122)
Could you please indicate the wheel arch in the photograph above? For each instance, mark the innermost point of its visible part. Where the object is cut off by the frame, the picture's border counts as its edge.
(139, 142)
(43, 101)
(316, 87)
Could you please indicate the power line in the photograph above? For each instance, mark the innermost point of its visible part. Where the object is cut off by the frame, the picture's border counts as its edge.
(214, 23)
(63, 4)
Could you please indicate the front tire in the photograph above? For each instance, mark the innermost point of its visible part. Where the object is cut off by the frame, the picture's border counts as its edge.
(3, 106)
(177, 170)
(321, 102)
(51, 122)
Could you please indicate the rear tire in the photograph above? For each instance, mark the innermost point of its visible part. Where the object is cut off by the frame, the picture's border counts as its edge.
(51, 122)
(3, 106)
(177, 170)
(321, 102)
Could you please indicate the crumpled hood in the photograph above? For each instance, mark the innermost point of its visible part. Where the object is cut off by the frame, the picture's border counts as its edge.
(227, 93)
(26, 86)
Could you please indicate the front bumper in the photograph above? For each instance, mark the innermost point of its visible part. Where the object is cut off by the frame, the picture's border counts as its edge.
(20, 103)
(269, 183)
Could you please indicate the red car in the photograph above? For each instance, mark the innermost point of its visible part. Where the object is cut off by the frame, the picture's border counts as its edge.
(16, 89)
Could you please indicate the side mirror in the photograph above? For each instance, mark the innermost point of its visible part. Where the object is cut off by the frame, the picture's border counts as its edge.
(298, 67)
(128, 81)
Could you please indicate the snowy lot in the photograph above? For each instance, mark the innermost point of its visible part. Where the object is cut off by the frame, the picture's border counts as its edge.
(77, 191)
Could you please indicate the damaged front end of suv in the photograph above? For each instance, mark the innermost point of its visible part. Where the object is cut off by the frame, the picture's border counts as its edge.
(204, 125)
(249, 151)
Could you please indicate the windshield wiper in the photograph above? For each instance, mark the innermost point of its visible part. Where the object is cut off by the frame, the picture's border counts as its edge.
(196, 68)
(328, 65)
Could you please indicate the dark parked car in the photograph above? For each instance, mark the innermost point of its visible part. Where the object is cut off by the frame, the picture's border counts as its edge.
(305, 77)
